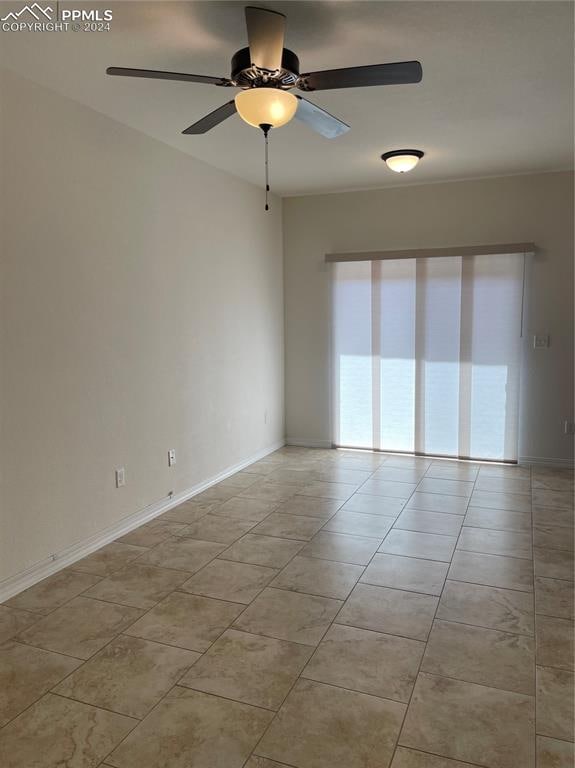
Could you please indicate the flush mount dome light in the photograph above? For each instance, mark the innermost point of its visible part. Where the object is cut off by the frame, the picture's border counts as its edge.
(266, 106)
(402, 160)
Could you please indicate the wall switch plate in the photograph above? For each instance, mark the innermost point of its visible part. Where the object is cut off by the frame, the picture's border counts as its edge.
(541, 341)
(569, 427)
(120, 477)
(171, 457)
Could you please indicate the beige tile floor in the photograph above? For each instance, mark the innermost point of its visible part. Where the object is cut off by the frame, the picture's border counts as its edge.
(320, 609)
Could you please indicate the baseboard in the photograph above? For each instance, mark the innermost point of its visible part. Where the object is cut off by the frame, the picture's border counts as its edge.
(541, 461)
(304, 443)
(66, 557)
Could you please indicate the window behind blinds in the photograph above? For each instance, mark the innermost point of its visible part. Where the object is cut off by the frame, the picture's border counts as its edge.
(426, 355)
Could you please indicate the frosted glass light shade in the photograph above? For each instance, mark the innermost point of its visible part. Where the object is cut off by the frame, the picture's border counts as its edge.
(266, 106)
(402, 160)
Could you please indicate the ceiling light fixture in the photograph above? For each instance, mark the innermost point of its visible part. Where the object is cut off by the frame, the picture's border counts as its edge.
(265, 72)
(402, 160)
(266, 106)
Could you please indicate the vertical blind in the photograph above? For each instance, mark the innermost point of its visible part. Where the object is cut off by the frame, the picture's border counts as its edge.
(426, 355)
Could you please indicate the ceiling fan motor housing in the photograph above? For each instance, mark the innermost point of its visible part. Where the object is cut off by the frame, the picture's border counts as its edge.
(247, 75)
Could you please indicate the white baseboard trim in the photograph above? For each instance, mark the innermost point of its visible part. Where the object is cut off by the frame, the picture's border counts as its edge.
(542, 461)
(50, 565)
(304, 443)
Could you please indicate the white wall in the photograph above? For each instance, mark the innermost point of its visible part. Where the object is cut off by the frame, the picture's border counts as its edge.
(142, 310)
(536, 208)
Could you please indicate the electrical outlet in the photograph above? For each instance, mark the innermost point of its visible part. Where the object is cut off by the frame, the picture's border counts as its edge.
(569, 427)
(120, 477)
(171, 457)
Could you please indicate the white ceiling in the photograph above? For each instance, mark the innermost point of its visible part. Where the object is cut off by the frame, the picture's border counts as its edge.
(496, 96)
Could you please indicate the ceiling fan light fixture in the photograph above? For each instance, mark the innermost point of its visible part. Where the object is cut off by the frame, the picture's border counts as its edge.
(402, 160)
(266, 106)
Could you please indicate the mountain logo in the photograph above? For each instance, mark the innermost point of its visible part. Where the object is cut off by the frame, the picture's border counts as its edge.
(35, 10)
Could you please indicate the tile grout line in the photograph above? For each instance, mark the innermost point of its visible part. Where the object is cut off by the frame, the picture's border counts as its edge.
(51, 691)
(332, 623)
(162, 698)
(535, 643)
(84, 661)
(397, 743)
(211, 645)
(299, 677)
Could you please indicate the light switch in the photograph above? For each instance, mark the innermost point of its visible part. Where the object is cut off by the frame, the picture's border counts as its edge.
(541, 341)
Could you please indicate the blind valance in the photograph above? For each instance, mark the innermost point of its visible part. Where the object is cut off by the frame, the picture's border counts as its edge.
(416, 253)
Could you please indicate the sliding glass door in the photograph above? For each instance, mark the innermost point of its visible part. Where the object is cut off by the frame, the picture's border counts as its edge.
(426, 355)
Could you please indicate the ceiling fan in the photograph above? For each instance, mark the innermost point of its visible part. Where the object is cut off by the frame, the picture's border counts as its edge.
(266, 72)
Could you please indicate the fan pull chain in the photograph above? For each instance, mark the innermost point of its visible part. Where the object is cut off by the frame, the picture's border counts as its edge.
(267, 173)
(266, 129)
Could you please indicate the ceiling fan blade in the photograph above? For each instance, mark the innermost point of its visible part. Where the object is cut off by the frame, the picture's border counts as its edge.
(265, 37)
(214, 118)
(156, 74)
(402, 72)
(320, 120)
